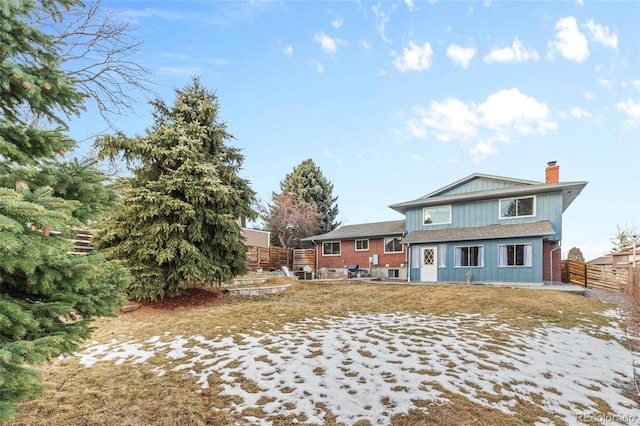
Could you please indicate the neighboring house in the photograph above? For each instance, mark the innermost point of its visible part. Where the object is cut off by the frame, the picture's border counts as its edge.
(619, 259)
(482, 228)
(254, 237)
(374, 247)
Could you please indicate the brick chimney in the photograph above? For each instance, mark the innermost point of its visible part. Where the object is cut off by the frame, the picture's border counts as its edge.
(552, 173)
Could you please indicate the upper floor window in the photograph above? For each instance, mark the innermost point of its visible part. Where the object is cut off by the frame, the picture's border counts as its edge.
(392, 245)
(436, 215)
(515, 255)
(517, 207)
(362, 245)
(468, 256)
(331, 248)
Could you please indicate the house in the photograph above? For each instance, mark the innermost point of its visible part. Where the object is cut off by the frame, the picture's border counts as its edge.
(482, 228)
(375, 248)
(618, 259)
(254, 237)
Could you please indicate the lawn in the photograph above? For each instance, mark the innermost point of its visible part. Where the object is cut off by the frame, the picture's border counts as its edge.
(362, 354)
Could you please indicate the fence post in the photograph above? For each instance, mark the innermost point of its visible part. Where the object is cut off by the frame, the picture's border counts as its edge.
(586, 280)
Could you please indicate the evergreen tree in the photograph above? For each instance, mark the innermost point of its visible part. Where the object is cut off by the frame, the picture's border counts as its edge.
(575, 254)
(178, 224)
(48, 297)
(307, 184)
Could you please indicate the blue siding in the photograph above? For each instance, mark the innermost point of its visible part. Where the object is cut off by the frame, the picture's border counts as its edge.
(481, 184)
(548, 207)
(490, 272)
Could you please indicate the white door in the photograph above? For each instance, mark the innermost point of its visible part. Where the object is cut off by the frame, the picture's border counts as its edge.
(429, 264)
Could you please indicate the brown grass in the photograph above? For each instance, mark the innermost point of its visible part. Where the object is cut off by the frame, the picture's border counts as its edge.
(133, 394)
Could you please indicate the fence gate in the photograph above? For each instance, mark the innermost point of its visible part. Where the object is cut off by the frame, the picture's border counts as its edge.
(596, 276)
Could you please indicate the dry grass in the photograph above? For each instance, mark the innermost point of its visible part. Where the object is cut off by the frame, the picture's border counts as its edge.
(133, 394)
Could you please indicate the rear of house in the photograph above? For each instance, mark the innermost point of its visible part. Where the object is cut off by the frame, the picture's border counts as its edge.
(488, 229)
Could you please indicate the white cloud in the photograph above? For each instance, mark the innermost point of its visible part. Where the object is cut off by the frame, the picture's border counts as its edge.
(288, 50)
(414, 58)
(575, 112)
(631, 108)
(602, 35)
(569, 41)
(366, 44)
(461, 56)
(503, 117)
(605, 83)
(337, 23)
(319, 66)
(590, 96)
(514, 53)
(329, 45)
(381, 20)
(410, 4)
(415, 157)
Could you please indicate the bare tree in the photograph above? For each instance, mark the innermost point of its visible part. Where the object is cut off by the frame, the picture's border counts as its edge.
(290, 221)
(99, 55)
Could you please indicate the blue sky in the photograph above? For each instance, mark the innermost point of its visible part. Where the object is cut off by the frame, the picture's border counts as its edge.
(395, 99)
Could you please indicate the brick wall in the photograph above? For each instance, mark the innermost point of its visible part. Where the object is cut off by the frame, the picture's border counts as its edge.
(349, 256)
(547, 246)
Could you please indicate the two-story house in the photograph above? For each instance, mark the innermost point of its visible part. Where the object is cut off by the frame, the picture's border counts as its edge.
(483, 228)
(488, 229)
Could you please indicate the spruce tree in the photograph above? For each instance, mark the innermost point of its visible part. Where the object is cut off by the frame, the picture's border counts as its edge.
(308, 184)
(178, 226)
(48, 297)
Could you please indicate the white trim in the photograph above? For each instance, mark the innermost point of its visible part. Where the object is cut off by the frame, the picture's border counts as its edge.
(527, 258)
(355, 244)
(333, 254)
(480, 256)
(384, 245)
(437, 207)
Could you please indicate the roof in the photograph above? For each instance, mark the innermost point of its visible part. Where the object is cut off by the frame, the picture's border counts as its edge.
(602, 260)
(570, 190)
(488, 232)
(377, 229)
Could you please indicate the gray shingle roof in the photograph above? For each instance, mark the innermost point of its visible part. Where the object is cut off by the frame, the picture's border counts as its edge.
(527, 229)
(364, 230)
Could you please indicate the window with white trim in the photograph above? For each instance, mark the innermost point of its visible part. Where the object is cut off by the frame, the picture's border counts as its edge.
(468, 256)
(517, 207)
(442, 255)
(436, 215)
(515, 255)
(362, 245)
(331, 248)
(393, 245)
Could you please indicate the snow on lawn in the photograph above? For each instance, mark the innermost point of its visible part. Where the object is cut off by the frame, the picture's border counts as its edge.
(371, 367)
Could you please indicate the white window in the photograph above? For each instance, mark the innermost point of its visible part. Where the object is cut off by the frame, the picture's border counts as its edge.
(362, 245)
(331, 248)
(436, 215)
(442, 255)
(469, 256)
(515, 255)
(392, 245)
(517, 207)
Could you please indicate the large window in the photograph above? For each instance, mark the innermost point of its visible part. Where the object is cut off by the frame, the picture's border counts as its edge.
(515, 255)
(469, 256)
(392, 245)
(331, 249)
(517, 207)
(436, 215)
(362, 245)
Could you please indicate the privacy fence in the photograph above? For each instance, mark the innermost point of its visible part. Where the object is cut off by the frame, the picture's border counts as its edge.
(274, 258)
(602, 277)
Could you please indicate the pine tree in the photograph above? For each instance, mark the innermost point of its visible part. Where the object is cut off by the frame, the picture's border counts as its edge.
(48, 297)
(178, 224)
(575, 254)
(307, 184)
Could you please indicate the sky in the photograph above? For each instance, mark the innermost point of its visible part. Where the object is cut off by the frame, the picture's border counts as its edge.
(370, 367)
(393, 100)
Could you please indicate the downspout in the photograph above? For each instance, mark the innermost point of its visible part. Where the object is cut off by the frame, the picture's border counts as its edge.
(551, 260)
(408, 262)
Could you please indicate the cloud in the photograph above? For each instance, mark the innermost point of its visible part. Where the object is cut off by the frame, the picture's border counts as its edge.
(503, 117)
(329, 45)
(288, 50)
(605, 83)
(135, 16)
(410, 4)
(337, 23)
(366, 44)
(381, 20)
(631, 108)
(514, 53)
(461, 56)
(569, 41)
(601, 35)
(414, 58)
(415, 157)
(319, 66)
(575, 112)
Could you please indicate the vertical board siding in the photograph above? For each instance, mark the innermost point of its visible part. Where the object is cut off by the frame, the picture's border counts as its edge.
(480, 184)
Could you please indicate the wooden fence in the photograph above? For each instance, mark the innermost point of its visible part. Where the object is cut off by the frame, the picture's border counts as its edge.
(274, 258)
(596, 276)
